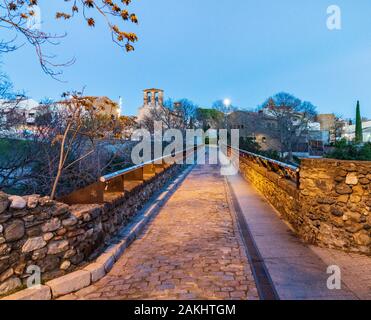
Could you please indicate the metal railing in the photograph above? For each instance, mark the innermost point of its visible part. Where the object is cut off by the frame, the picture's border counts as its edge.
(284, 170)
(115, 184)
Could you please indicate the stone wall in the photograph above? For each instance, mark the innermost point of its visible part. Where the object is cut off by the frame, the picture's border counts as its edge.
(336, 198)
(281, 193)
(330, 208)
(59, 238)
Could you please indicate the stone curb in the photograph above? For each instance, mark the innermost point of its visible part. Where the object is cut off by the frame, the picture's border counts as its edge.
(37, 293)
(95, 271)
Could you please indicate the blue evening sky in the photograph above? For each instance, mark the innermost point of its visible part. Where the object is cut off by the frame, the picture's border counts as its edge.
(206, 50)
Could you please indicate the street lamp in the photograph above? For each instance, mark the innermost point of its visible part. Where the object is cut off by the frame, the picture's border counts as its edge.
(227, 102)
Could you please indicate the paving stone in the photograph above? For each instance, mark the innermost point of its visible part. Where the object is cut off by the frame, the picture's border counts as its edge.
(192, 250)
(182, 254)
(297, 270)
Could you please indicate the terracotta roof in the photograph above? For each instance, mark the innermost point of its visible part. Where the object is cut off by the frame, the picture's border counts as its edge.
(153, 89)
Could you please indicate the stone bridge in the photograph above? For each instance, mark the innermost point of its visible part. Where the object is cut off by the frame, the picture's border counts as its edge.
(272, 231)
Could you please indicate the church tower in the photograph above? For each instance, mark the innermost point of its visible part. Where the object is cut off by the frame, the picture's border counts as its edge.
(152, 98)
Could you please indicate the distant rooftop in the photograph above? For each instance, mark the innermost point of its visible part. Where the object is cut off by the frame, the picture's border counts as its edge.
(153, 89)
(27, 104)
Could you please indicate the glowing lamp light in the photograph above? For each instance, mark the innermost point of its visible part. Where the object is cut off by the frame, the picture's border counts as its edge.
(227, 102)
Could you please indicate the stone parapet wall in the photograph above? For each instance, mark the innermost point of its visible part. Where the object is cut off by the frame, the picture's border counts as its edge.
(281, 193)
(336, 198)
(331, 207)
(59, 238)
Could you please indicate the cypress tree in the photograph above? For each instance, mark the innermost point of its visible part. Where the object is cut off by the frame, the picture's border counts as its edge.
(359, 130)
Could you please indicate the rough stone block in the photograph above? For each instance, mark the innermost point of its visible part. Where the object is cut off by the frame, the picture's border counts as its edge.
(343, 189)
(14, 231)
(52, 225)
(10, 285)
(6, 275)
(4, 202)
(69, 283)
(352, 178)
(33, 244)
(65, 265)
(17, 202)
(33, 201)
(35, 293)
(71, 221)
(58, 247)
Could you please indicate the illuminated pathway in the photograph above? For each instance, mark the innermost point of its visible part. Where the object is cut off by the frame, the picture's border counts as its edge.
(298, 271)
(191, 250)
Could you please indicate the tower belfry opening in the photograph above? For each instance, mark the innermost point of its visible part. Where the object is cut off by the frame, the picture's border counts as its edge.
(153, 98)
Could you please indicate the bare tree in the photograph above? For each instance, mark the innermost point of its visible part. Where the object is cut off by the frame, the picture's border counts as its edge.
(83, 126)
(337, 129)
(293, 117)
(72, 144)
(186, 109)
(16, 16)
(169, 116)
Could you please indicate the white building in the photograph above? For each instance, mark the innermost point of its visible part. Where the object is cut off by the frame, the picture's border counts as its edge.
(25, 108)
(350, 131)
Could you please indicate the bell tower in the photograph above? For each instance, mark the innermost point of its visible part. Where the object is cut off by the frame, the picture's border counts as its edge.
(153, 98)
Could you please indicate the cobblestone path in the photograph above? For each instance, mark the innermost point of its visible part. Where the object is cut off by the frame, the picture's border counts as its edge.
(191, 250)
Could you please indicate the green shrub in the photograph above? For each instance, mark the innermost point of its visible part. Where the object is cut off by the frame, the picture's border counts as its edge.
(249, 144)
(350, 151)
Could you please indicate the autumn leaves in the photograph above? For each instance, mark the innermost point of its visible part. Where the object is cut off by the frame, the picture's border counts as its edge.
(108, 9)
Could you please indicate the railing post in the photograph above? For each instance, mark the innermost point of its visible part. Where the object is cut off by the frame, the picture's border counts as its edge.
(159, 167)
(133, 179)
(115, 185)
(93, 193)
(121, 181)
(149, 171)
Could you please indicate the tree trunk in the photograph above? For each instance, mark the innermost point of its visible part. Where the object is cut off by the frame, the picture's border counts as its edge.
(289, 147)
(61, 163)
